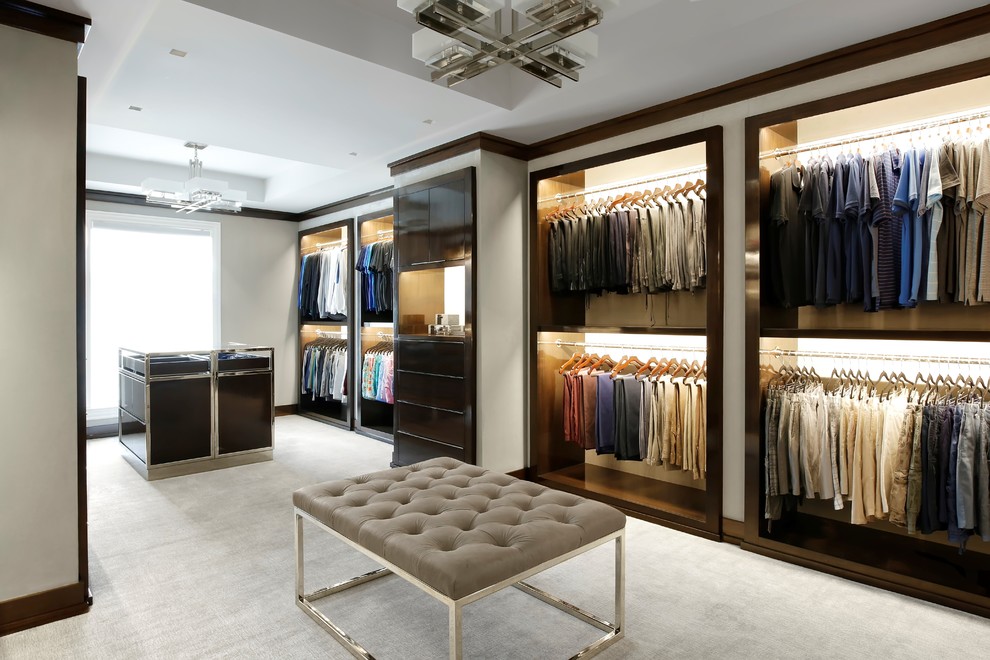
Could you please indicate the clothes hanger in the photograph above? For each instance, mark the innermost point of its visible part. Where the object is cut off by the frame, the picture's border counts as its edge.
(572, 360)
(605, 359)
(584, 362)
(649, 366)
(624, 363)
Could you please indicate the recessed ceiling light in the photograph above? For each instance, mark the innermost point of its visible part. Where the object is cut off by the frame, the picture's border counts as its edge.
(427, 121)
(135, 108)
(353, 153)
(177, 52)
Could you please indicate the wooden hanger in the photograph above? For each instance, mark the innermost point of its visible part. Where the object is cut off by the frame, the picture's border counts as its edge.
(605, 359)
(584, 362)
(624, 363)
(574, 358)
(649, 366)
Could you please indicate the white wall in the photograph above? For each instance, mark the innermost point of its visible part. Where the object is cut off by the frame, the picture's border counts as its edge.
(38, 499)
(258, 281)
(732, 117)
(502, 315)
(258, 285)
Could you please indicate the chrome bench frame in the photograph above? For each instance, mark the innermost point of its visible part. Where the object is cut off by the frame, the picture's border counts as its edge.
(613, 631)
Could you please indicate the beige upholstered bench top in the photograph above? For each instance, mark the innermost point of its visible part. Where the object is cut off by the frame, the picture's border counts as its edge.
(458, 528)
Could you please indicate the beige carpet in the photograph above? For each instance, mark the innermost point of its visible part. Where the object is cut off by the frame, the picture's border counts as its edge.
(202, 567)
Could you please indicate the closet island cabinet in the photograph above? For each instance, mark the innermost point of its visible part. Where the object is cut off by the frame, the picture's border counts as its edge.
(435, 366)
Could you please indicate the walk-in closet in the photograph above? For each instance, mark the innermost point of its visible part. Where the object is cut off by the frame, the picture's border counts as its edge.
(867, 337)
(326, 277)
(627, 329)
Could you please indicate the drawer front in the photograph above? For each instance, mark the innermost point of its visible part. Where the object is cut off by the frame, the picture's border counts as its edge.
(445, 358)
(441, 425)
(244, 412)
(132, 435)
(410, 449)
(243, 362)
(181, 420)
(428, 390)
(132, 395)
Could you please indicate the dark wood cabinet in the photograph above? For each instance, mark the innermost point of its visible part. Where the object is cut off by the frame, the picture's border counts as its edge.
(432, 224)
(434, 375)
(448, 218)
(412, 228)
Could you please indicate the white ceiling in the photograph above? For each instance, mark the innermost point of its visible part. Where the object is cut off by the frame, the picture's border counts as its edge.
(285, 92)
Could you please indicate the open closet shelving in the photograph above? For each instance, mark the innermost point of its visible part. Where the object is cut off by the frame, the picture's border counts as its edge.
(334, 326)
(374, 417)
(910, 114)
(663, 324)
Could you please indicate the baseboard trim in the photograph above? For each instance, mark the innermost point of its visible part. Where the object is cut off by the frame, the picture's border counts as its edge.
(282, 411)
(43, 607)
(101, 431)
(733, 531)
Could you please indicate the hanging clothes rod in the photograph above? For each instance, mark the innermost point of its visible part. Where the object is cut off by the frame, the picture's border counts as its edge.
(676, 174)
(560, 343)
(935, 359)
(319, 246)
(382, 232)
(900, 129)
(329, 333)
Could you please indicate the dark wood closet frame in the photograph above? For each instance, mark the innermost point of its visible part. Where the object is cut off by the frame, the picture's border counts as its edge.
(348, 422)
(359, 320)
(831, 546)
(470, 339)
(712, 137)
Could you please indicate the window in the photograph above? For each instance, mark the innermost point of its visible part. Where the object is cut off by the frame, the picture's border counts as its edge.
(151, 284)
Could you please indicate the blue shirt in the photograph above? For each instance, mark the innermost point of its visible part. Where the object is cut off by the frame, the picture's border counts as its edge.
(906, 207)
(605, 415)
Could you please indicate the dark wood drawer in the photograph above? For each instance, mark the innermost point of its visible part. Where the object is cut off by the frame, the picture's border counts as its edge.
(132, 395)
(410, 449)
(429, 390)
(445, 358)
(441, 425)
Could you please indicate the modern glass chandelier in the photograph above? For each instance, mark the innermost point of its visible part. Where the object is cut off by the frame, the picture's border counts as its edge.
(464, 38)
(198, 193)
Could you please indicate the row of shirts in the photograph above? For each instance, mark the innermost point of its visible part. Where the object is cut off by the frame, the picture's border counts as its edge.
(375, 263)
(661, 422)
(658, 248)
(922, 467)
(324, 372)
(888, 230)
(377, 377)
(323, 284)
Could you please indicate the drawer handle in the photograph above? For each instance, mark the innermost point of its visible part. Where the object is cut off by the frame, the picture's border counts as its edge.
(420, 405)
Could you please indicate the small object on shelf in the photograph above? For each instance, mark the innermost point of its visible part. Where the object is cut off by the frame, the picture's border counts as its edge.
(448, 319)
(447, 330)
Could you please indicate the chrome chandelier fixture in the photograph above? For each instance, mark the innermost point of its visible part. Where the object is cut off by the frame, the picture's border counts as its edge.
(544, 38)
(197, 193)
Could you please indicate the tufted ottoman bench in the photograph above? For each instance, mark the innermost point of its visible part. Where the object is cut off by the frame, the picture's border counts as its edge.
(459, 533)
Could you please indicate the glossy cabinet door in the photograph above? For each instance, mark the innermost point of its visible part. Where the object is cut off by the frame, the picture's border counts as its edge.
(431, 225)
(412, 228)
(447, 221)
